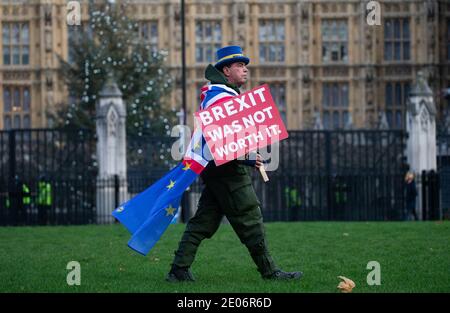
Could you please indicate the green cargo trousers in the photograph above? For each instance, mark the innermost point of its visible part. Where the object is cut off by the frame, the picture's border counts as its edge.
(234, 198)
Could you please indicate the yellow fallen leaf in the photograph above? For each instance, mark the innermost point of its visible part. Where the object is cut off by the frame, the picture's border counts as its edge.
(346, 285)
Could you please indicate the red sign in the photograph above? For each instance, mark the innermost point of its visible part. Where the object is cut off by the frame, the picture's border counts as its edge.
(244, 123)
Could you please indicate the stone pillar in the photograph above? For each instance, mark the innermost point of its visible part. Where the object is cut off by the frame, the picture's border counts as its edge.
(421, 128)
(111, 151)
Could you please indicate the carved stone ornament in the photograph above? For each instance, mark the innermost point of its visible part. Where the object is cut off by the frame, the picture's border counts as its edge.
(112, 121)
(241, 13)
(424, 118)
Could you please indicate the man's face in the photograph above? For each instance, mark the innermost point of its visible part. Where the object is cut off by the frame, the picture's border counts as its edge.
(236, 73)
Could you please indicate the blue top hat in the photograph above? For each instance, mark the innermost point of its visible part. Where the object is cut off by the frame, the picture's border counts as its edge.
(230, 54)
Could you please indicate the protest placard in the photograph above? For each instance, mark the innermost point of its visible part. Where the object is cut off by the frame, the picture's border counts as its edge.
(242, 124)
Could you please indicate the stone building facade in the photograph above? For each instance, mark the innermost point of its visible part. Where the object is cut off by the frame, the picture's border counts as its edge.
(325, 64)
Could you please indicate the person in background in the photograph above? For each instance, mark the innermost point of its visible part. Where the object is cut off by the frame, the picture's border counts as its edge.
(411, 195)
(44, 200)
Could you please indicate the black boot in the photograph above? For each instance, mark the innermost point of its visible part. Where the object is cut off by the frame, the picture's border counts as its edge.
(179, 274)
(281, 275)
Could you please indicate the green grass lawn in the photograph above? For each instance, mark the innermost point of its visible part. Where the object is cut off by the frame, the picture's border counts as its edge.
(414, 257)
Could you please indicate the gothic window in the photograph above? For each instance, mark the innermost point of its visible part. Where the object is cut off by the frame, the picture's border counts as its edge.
(208, 39)
(396, 39)
(17, 103)
(396, 94)
(335, 102)
(334, 41)
(271, 41)
(16, 43)
(148, 33)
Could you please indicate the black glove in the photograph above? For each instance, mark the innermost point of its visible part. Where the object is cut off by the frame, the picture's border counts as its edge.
(250, 159)
(251, 163)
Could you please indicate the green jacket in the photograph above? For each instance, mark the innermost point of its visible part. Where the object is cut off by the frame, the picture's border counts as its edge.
(232, 173)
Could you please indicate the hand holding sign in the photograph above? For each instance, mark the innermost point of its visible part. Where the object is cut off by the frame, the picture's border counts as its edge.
(242, 124)
(259, 164)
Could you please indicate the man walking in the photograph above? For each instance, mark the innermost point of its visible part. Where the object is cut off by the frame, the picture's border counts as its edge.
(227, 188)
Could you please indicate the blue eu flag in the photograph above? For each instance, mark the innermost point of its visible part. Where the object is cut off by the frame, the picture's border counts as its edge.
(147, 215)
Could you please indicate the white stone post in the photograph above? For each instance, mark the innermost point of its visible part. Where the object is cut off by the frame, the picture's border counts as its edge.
(421, 127)
(111, 151)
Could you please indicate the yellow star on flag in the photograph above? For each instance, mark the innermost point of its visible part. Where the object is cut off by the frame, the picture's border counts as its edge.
(197, 145)
(188, 166)
(170, 186)
(170, 210)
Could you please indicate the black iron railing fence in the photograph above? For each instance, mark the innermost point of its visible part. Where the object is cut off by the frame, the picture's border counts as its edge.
(322, 175)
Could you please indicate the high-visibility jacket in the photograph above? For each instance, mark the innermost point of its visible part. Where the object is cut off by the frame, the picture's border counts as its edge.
(341, 193)
(292, 197)
(26, 194)
(44, 193)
